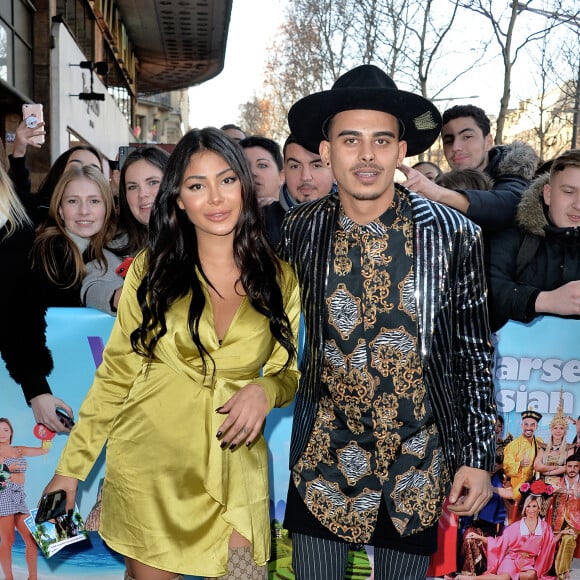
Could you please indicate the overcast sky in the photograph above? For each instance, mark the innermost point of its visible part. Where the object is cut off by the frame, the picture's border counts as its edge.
(254, 24)
(252, 28)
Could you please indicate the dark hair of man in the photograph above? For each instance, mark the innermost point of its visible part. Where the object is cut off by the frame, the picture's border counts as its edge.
(57, 169)
(289, 140)
(431, 164)
(135, 231)
(461, 179)
(268, 144)
(567, 159)
(476, 113)
(573, 457)
(231, 126)
(172, 252)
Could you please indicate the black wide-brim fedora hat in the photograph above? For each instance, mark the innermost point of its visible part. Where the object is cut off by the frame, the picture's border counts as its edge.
(366, 87)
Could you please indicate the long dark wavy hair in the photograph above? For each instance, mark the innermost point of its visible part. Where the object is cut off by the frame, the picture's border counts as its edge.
(172, 252)
(136, 232)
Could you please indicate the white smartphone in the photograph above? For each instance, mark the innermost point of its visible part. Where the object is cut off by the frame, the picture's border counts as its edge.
(32, 115)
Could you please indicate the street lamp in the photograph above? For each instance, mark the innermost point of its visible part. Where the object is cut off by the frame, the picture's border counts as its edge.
(101, 68)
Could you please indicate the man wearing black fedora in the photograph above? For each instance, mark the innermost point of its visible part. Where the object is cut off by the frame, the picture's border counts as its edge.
(396, 406)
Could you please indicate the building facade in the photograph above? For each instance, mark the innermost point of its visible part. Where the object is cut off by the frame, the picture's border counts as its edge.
(107, 72)
(545, 122)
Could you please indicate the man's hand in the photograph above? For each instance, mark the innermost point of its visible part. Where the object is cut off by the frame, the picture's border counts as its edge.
(564, 300)
(44, 409)
(470, 491)
(418, 183)
(246, 411)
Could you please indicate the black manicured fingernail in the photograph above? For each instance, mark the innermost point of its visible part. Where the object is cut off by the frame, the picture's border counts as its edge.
(224, 444)
(233, 445)
(218, 434)
(218, 410)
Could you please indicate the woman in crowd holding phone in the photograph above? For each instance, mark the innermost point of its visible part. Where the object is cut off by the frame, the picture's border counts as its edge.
(80, 223)
(139, 182)
(13, 510)
(203, 347)
(22, 332)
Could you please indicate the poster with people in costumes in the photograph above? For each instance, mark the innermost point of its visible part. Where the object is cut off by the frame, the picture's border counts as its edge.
(537, 367)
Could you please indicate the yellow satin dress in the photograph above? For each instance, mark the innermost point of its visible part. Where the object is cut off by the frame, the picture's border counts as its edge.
(172, 496)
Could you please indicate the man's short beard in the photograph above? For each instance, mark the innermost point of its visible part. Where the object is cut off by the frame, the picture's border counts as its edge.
(366, 196)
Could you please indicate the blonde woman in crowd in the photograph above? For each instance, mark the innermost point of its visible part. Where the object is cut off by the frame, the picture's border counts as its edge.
(22, 332)
(80, 224)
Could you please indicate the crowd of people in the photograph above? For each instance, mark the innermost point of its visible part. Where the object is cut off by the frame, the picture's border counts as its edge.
(208, 258)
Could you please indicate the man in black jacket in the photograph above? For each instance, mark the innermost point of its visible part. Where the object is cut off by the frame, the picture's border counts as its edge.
(534, 268)
(468, 144)
(307, 179)
(395, 407)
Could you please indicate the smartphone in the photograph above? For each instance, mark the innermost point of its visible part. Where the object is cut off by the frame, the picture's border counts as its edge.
(65, 419)
(32, 115)
(123, 267)
(51, 506)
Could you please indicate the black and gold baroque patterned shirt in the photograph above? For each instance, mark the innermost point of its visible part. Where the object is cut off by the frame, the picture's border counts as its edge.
(374, 433)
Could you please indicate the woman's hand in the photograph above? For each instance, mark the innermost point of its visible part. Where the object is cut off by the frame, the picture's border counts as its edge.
(474, 536)
(246, 411)
(68, 484)
(24, 138)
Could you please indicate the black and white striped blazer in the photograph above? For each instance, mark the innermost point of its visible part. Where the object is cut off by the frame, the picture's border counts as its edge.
(453, 327)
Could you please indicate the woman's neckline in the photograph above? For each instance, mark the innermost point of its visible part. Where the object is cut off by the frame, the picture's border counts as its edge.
(532, 531)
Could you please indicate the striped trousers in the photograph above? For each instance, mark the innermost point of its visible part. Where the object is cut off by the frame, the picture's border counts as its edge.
(321, 559)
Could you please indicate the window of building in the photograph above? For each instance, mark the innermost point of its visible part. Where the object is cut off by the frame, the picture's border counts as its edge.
(81, 24)
(117, 85)
(16, 44)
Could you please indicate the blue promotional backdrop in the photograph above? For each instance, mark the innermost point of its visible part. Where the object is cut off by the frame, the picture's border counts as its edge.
(533, 363)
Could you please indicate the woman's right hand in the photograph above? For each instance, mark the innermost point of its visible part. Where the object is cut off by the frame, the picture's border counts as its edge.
(68, 484)
(24, 138)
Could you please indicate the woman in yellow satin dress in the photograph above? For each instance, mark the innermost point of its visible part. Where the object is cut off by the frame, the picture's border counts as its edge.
(203, 347)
